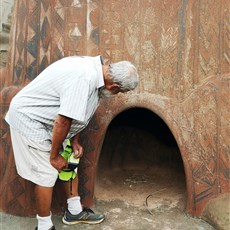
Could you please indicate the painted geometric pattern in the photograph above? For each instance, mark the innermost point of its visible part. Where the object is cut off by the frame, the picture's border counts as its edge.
(177, 45)
(209, 38)
(45, 35)
(20, 39)
(224, 135)
(5, 144)
(32, 46)
(209, 116)
(42, 37)
(225, 54)
(204, 155)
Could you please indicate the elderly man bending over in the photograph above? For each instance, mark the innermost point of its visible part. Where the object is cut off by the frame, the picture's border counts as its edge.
(57, 105)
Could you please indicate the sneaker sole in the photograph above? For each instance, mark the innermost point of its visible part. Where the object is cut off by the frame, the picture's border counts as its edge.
(82, 221)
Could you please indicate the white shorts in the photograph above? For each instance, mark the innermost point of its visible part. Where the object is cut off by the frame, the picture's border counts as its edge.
(32, 160)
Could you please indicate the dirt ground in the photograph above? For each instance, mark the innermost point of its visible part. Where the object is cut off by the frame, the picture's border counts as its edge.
(132, 200)
(121, 196)
(153, 198)
(150, 188)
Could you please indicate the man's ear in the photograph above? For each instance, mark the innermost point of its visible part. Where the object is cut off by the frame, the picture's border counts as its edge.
(112, 86)
(115, 88)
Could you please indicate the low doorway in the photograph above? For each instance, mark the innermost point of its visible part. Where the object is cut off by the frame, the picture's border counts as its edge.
(140, 163)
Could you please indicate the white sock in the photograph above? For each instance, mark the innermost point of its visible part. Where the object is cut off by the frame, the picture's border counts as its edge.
(45, 222)
(74, 205)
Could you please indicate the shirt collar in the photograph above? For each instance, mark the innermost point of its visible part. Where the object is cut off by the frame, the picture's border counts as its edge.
(102, 60)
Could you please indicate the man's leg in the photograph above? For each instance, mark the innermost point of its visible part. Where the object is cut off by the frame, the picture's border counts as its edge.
(75, 213)
(29, 157)
(73, 198)
(71, 190)
(43, 197)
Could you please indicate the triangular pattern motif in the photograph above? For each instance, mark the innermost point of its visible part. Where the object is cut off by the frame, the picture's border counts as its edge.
(20, 42)
(46, 4)
(59, 30)
(45, 35)
(33, 40)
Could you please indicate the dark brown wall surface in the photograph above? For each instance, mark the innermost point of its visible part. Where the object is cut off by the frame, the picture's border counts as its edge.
(181, 49)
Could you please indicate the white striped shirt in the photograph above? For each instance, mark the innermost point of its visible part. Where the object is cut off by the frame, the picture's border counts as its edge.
(67, 87)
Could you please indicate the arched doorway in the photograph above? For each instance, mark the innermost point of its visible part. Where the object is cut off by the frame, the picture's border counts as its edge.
(140, 162)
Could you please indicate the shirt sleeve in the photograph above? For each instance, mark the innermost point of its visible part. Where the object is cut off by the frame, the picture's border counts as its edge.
(74, 99)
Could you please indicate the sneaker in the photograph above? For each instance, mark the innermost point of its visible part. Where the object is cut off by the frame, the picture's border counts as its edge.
(87, 216)
(52, 228)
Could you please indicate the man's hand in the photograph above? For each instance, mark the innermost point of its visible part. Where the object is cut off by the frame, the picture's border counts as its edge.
(78, 150)
(58, 162)
(77, 147)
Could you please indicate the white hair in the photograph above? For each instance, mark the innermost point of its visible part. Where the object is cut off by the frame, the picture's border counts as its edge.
(124, 73)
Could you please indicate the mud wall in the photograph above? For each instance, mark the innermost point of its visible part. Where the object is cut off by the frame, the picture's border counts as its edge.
(181, 50)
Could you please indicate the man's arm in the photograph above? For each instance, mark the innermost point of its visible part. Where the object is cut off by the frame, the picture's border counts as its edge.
(60, 130)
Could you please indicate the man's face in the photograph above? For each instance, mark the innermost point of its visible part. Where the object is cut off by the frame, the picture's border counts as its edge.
(109, 91)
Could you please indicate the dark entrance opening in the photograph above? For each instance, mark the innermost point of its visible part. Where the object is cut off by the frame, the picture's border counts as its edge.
(140, 162)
